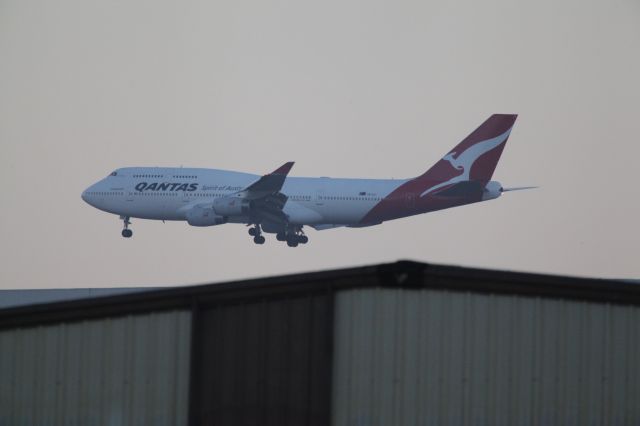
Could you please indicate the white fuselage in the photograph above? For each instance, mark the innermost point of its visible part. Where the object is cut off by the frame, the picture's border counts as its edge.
(130, 192)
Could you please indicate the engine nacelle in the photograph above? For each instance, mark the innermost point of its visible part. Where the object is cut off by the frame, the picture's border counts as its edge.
(204, 216)
(231, 206)
(492, 190)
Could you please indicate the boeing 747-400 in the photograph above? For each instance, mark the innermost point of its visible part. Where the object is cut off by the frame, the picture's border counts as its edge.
(282, 205)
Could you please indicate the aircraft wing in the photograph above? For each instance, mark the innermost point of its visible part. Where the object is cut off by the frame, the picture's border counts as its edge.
(269, 184)
(266, 200)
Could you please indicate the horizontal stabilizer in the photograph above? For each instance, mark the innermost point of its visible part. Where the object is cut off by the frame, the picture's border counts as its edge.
(518, 188)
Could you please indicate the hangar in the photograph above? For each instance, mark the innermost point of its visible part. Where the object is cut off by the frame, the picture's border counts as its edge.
(402, 343)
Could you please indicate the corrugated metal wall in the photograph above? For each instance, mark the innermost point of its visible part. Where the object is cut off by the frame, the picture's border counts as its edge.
(130, 370)
(266, 363)
(429, 357)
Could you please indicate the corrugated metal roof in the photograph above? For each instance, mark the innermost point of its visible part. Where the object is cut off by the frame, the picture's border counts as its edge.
(423, 357)
(267, 362)
(25, 297)
(131, 370)
(412, 344)
(402, 274)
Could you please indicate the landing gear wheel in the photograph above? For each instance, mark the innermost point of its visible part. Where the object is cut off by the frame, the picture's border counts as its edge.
(259, 239)
(281, 236)
(126, 232)
(303, 239)
(255, 231)
(291, 242)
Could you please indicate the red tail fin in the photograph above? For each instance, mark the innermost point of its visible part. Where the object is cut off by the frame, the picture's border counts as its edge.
(476, 157)
(469, 166)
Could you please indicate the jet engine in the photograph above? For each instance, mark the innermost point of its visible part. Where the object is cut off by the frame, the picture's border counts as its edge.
(492, 190)
(231, 206)
(204, 216)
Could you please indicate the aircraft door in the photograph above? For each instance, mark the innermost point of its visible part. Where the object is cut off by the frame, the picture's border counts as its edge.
(319, 197)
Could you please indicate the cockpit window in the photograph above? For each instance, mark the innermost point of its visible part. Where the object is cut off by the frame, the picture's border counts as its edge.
(114, 173)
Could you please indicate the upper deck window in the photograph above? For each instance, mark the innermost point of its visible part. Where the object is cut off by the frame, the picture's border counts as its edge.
(114, 174)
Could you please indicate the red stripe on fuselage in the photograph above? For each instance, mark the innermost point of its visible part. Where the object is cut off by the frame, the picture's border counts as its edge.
(406, 201)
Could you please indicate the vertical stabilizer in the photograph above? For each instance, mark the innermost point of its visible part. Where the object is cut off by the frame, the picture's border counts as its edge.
(475, 158)
(458, 178)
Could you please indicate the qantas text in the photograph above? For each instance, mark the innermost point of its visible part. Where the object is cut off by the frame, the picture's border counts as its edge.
(166, 186)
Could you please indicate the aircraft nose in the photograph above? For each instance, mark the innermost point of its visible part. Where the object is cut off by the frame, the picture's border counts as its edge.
(86, 195)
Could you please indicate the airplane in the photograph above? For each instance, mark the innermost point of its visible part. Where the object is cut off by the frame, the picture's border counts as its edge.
(282, 205)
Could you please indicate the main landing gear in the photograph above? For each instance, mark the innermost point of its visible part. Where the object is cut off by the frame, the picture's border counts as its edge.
(292, 235)
(126, 232)
(293, 238)
(256, 233)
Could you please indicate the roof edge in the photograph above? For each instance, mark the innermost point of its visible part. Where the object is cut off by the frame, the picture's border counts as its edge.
(400, 274)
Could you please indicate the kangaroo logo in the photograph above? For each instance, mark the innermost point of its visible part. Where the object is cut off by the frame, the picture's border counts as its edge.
(465, 160)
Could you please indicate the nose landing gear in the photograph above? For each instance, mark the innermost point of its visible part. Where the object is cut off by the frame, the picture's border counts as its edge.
(126, 232)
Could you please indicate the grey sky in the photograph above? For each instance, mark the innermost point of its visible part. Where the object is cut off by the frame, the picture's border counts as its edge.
(344, 88)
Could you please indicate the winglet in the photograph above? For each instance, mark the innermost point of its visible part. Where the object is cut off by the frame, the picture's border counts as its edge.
(284, 169)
